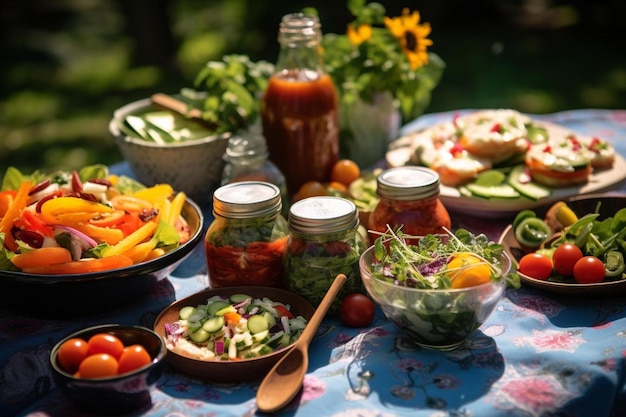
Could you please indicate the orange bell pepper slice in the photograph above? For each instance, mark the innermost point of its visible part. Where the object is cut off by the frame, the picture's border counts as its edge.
(13, 213)
(43, 256)
(83, 266)
(6, 198)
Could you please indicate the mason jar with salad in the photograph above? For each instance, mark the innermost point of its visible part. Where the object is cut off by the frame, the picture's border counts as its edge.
(324, 241)
(246, 241)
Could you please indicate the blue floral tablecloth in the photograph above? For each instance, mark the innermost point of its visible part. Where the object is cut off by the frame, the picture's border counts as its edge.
(539, 354)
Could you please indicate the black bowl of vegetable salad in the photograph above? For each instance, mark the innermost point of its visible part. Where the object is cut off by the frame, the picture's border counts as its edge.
(94, 219)
(437, 289)
(230, 335)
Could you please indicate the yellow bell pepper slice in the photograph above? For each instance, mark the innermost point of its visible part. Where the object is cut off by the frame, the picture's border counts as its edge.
(155, 193)
(144, 232)
(74, 209)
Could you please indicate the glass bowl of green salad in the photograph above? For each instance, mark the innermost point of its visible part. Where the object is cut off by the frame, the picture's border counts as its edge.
(437, 289)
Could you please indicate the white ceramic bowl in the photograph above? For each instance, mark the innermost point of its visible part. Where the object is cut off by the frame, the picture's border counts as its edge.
(193, 166)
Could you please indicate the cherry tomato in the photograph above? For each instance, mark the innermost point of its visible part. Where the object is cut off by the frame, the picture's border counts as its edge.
(310, 189)
(345, 171)
(99, 365)
(356, 310)
(105, 343)
(71, 353)
(133, 357)
(536, 265)
(589, 270)
(565, 257)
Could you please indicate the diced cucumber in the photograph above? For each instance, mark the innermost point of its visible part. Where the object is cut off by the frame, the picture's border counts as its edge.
(214, 306)
(526, 187)
(271, 320)
(504, 191)
(213, 324)
(261, 337)
(186, 312)
(257, 324)
(199, 336)
(228, 309)
(285, 340)
(238, 298)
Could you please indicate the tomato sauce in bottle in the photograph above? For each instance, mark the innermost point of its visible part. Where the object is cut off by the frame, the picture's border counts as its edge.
(300, 106)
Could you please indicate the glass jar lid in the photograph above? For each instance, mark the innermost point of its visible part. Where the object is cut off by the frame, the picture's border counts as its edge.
(246, 199)
(323, 215)
(407, 183)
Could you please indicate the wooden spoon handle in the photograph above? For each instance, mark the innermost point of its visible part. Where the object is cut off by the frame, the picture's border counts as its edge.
(315, 321)
(175, 105)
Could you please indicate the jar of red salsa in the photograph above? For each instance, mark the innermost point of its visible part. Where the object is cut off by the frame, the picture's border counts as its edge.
(300, 106)
(409, 197)
(246, 241)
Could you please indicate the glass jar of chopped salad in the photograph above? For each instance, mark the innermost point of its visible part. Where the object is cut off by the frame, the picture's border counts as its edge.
(246, 241)
(324, 242)
(409, 198)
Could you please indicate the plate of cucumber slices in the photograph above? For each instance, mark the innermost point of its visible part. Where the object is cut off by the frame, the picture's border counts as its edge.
(489, 198)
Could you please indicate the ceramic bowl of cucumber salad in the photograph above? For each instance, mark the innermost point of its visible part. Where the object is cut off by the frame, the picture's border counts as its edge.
(231, 335)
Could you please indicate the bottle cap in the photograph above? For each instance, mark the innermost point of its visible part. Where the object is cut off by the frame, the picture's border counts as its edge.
(246, 199)
(323, 215)
(407, 183)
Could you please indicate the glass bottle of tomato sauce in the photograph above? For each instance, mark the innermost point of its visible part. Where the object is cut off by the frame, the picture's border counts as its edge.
(409, 198)
(300, 106)
(246, 241)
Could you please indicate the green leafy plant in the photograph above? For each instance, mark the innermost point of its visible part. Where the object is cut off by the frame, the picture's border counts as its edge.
(383, 54)
(228, 92)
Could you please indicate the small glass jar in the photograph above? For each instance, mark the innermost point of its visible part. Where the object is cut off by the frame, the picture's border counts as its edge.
(246, 241)
(246, 159)
(409, 198)
(323, 243)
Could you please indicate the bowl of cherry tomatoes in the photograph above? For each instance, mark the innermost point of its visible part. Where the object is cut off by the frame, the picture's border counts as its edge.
(571, 247)
(108, 369)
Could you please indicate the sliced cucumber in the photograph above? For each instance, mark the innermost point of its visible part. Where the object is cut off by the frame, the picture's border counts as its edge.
(528, 189)
(214, 306)
(213, 324)
(271, 320)
(186, 312)
(199, 335)
(504, 191)
(238, 298)
(257, 324)
(490, 177)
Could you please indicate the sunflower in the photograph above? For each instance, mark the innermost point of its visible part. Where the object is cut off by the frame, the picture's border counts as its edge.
(359, 34)
(412, 36)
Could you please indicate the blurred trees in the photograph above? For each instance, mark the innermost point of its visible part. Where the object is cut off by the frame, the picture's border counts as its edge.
(67, 64)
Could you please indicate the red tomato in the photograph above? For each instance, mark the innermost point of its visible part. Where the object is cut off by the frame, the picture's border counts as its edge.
(356, 310)
(99, 365)
(536, 265)
(283, 311)
(565, 257)
(589, 270)
(71, 354)
(105, 343)
(133, 357)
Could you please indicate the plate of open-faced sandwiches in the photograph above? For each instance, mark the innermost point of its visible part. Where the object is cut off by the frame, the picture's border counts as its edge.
(496, 162)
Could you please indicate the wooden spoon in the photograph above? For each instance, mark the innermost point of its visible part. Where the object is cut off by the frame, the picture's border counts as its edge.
(284, 380)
